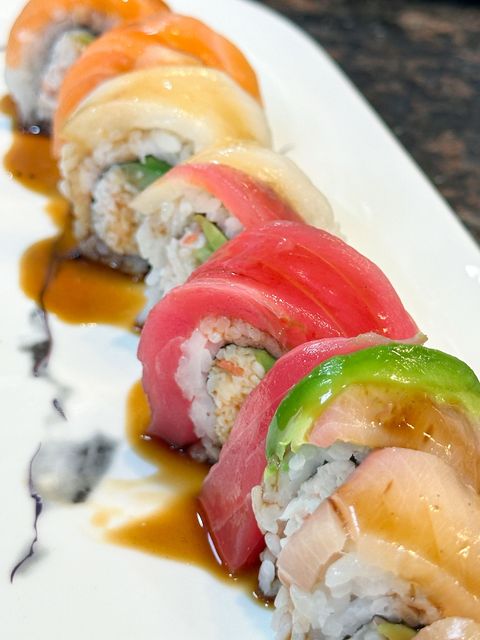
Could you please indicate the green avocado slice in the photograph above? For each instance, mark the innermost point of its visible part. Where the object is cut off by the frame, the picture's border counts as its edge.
(142, 174)
(214, 237)
(203, 254)
(445, 379)
(83, 37)
(396, 631)
(264, 358)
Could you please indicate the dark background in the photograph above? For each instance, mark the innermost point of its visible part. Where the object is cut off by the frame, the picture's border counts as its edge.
(418, 64)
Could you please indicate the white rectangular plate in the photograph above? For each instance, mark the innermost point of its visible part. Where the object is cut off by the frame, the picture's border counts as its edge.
(79, 587)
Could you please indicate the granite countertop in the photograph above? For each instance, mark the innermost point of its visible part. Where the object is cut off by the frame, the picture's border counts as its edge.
(418, 64)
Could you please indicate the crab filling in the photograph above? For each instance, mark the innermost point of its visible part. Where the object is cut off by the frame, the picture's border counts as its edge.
(235, 373)
(112, 218)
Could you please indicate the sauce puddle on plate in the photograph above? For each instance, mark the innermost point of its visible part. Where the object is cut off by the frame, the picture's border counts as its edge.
(60, 281)
(177, 531)
(52, 273)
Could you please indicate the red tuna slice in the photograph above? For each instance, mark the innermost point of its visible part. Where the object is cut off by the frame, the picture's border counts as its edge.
(226, 493)
(173, 320)
(250, 201)
(239, 282)
(348, 289)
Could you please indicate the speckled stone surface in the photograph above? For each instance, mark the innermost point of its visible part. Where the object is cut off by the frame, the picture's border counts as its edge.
(418, 64)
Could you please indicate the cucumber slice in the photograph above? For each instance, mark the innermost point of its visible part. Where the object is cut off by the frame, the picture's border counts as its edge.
(142, 174)
(214, 237)
(264, 358)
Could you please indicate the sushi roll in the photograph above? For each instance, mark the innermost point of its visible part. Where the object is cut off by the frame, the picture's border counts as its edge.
(385, 396)
(48, 37)
(398, 540)
(162, 39)
(359, 394)
(209, 342)
(199, 205)
(133, 129)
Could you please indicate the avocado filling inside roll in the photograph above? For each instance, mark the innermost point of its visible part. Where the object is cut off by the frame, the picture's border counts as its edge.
(64, 52)
(222, 362)
(183, 234)
(344, 601)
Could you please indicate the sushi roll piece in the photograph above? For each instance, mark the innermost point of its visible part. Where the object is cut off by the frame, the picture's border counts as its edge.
(48, 37)
(351, 395)
(398, 539)
(396, 395)
(133, 129)
(209, 342)
(225, 497)
(162, 39)
(199, 205)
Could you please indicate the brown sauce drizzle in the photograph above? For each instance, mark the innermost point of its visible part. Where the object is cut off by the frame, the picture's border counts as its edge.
(76, 290)
(176, 532)
(52, 273)
(59, 280)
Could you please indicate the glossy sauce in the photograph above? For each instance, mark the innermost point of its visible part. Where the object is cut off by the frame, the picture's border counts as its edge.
(75, 289)
(175, 532)
(51, 271)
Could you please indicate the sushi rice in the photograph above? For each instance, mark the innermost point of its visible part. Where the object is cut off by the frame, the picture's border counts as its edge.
(351, 593)
(216, 372)
(171, 238)
(105, 224)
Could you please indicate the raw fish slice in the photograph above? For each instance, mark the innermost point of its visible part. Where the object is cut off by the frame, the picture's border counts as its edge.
(450, 629)
(402, 511)
(346, 288)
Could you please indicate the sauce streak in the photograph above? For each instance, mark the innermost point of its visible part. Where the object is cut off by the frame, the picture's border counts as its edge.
(175, 532)
(52, 273)
(76, 290)
(29, 159)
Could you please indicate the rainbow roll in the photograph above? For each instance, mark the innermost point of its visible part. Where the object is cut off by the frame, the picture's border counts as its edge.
(48, 37)
(201, 204)
(208, 343)
(133, 129)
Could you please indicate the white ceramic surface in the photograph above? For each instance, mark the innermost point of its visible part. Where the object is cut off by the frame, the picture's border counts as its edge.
(81, 588)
